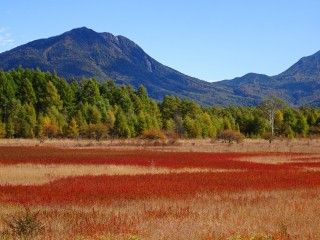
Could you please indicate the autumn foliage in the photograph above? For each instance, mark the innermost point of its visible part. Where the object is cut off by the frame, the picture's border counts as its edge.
(238, 175)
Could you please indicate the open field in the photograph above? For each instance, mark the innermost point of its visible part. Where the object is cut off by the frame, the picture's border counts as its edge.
(126, 192)
(305, 145)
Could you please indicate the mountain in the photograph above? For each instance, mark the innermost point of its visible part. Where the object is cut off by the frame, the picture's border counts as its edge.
(83, 52)
(299, 85)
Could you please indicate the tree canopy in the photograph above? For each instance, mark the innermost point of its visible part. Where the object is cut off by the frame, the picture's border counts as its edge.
(40, 104)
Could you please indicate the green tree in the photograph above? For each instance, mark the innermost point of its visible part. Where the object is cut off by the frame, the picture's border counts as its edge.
(9, 128)
(81, 123)
(122, 96)
(67, 93)
(2, 130)
(170, 107)
(26, 121)
(90, 91)
(7, 94)
(207, 125)
(192, 128)
(289, 118)
(255, 126)
(121, 127)
(169, 125)
(142, 124)
(301, 126)
(111, 118)
(52, 97)
(93, 114)
(26, 92)
(13, 119)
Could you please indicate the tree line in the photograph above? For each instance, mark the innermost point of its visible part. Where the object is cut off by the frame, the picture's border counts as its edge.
(36, 104)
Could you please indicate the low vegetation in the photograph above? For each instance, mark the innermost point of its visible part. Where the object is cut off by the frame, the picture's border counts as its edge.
(153, 134)
(158, 195)
(230, 136)
(24, 226)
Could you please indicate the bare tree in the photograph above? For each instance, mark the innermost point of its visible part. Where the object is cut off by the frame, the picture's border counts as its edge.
(270, 106)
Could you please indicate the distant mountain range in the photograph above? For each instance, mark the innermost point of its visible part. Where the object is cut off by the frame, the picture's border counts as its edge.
(83, 52)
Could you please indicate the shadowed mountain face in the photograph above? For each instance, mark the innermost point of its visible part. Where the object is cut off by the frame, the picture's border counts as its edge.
(299, 85)
(84, 53)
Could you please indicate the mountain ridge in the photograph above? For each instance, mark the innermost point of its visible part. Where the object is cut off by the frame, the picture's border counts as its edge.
(82, 52)
(299, 84)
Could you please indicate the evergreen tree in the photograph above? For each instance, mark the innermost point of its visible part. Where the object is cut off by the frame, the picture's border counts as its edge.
(35, 103)
(121, 127)
(301, 127)
(26, 92)
(90, 92)
(7, 95)
(26, 122)
(93, 114)
(52, 97)
(192, 128)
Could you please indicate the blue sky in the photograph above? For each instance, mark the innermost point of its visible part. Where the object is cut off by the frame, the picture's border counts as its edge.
(212, 40)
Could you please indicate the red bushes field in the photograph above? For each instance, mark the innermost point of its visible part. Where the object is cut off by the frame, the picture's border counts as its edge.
(178, 195)
(89, 189)
(46, 155)
(103, 189)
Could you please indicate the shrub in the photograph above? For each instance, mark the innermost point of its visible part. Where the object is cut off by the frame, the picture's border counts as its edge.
(24, 226)
(268, 136)
(97, 131)
(153, 134)
(253, 237)
(2, 130)
(109, 237)
(230, 136)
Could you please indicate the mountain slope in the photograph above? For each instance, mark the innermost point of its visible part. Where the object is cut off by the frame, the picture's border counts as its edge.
(83, 52)
(299, 85)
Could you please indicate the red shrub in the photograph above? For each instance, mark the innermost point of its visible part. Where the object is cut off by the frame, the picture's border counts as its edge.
(46, 155)
(103, 189)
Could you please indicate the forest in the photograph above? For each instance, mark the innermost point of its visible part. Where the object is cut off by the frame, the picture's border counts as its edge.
(37, 104)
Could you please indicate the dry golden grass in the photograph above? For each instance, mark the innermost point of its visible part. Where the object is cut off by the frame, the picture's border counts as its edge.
(304, 145)
(281, 158)
(214, 216)
(37, 174)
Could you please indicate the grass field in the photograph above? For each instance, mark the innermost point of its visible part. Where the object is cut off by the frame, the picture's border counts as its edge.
(189, 191)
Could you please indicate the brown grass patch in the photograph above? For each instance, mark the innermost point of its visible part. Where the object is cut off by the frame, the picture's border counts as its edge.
(38, 174)
(303, 145)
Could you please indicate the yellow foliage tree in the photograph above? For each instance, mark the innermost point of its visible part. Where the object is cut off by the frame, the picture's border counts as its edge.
(73, 129)
(48, 128)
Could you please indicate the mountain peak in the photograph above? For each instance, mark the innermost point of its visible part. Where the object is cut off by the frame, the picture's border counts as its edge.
(82, 33)
(81, 30)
